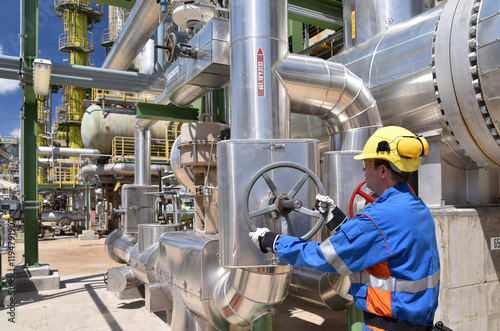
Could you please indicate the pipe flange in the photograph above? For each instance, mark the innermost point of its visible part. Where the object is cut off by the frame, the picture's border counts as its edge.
(457, 86)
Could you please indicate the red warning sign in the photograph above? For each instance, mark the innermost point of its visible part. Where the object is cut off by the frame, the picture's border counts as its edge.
(260, 74)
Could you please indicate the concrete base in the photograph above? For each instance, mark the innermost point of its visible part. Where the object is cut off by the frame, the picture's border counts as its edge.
(88, 235)
(40, 278)
(20, 238)
(470, 267)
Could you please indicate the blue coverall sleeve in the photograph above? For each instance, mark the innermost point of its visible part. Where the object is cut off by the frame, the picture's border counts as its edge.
(302, 253)
(356, 246)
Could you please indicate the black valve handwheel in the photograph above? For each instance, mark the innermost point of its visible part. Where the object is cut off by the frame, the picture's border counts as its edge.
(284, 203)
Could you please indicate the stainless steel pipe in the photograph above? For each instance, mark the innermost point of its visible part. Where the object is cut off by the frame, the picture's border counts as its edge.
(259, 40)
(142, 152)
(364, 19)
(244, 295)
(116, 169)
(143, 21)
(334, 94)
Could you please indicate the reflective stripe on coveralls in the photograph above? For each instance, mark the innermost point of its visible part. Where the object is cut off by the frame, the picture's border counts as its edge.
(389, 252)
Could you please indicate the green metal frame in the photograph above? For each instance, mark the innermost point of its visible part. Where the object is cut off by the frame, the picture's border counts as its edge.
(154, 111)
(128, 4)
(29, 137)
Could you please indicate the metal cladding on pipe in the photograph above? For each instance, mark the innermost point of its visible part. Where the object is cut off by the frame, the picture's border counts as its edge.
(190, 78)
(143, 21)
(90, 170)
(376, 17)
(64, 151)
(334, 94)
(123, 248)
(118, 246)
(142, 154)
(238, 300)
(259, 40)
(438, 73)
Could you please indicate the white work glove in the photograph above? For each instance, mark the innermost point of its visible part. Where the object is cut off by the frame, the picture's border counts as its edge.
(325, 206)
(264, 239)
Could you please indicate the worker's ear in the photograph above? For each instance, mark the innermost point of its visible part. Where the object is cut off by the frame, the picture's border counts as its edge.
(383, 171)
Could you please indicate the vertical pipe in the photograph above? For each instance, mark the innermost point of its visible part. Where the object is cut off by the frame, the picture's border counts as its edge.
(87, 207)
(142, 155)
(176, 204)
(259, 39)
(160, 53)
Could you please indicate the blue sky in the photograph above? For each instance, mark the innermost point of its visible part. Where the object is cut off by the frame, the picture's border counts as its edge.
(50, 27)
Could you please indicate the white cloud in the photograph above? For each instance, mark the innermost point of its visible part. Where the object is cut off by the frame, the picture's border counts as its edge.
(15, 133)
(7, 86)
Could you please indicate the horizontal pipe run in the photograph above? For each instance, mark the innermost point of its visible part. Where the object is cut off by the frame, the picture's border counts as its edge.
(63, 151)
(90, 170)
(89, 77)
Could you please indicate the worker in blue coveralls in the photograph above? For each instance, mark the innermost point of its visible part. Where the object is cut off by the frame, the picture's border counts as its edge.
(389, 249)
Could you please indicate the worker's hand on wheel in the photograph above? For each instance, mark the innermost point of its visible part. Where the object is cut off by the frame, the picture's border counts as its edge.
(324, 205)
(264, 239)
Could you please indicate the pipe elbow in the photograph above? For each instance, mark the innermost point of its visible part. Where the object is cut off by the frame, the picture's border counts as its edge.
(237, 299)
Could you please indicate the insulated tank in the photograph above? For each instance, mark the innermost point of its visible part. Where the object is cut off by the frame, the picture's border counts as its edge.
(100, 127)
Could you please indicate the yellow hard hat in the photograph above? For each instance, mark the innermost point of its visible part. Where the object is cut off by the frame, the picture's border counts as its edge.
(397, 145)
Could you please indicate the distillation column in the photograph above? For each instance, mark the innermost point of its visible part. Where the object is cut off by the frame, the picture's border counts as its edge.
(74, 40)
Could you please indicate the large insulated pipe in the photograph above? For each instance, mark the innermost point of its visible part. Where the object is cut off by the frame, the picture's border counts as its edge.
(334, 94)
(143, 21)
(364, 19)
(259, 110)
(141, 254)
(243, 295)
(259, 39)
(439, 73)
